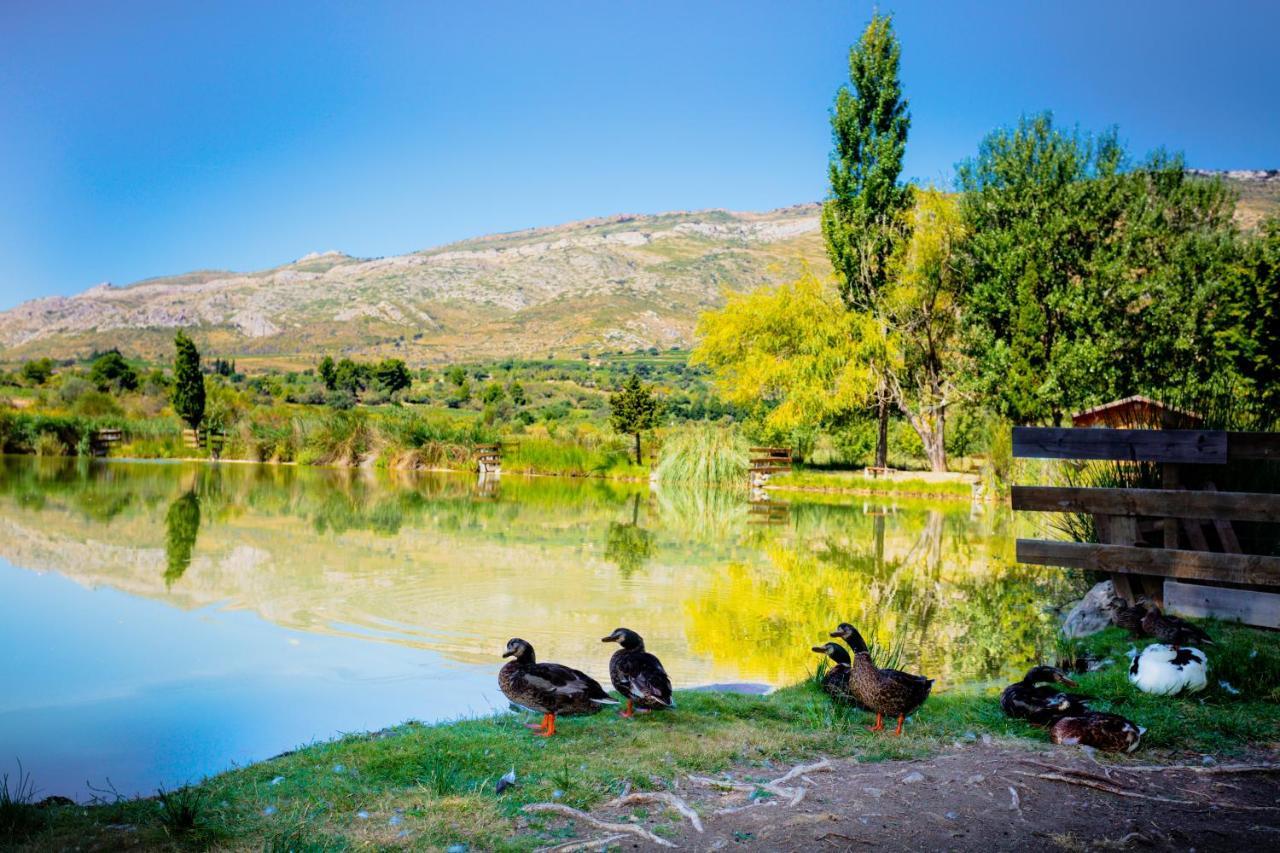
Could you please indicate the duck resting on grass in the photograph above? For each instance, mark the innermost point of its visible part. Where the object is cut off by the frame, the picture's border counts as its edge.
(1171, 630)
(548, 688)
(1108, 732)
(637, 675)
(1035, 700)
(1168, 670)
(836, 682)
(887, 692)
(1128, 616)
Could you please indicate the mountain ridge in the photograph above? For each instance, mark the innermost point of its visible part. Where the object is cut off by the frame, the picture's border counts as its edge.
(620, 281)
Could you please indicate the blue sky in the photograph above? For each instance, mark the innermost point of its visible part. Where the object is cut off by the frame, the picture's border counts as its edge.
(148, 138)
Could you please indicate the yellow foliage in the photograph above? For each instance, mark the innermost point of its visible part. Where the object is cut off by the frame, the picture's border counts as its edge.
(793, 353)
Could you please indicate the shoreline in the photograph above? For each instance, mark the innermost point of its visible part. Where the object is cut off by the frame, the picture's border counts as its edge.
(437, 782)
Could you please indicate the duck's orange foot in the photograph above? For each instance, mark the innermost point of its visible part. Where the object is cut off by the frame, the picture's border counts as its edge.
(627, 711)
(879, 726)
(898, 731)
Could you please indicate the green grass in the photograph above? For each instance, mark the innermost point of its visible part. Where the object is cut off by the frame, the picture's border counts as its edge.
(856, 482)
(436, 783)
(569, 458)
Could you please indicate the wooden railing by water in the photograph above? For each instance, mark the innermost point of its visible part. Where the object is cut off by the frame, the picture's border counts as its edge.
(1175, 544)
(102, 440)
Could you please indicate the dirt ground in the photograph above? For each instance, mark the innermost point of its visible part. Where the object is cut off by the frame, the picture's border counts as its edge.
(981, 797)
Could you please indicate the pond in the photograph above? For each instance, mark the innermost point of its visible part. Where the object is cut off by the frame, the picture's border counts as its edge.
(162, 622)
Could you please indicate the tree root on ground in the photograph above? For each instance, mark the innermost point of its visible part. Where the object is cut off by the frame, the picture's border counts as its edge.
(775, 787)
(615, 828)
(670, 800)
(1088, 780)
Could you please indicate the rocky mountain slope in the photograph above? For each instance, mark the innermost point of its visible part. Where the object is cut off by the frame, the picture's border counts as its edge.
(619, 282)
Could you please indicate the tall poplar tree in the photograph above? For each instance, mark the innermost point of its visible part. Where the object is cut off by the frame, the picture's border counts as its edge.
(863, 219)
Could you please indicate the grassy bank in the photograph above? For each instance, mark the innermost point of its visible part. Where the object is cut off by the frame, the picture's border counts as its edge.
(855, 482)
(433, 785)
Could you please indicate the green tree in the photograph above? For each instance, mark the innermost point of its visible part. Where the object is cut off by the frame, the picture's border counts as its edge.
(111, 372)
(392, 375)
(493, 394)
(862, 220)
(1088, 279)
(1255, 331)
(456, 374)
(37, 371)
(188, 382)
(328, 372)
(351, 376)
(633, 408)
(518, 395)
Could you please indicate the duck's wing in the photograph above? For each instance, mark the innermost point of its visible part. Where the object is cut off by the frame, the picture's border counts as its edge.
(567, 682)
(646, 678)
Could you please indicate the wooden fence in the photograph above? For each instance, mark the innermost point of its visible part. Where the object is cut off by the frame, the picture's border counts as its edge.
(102, 440)
(1175, 544)
(766, 461)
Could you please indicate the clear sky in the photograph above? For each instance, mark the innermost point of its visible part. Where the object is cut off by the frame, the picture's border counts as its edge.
(147, 138)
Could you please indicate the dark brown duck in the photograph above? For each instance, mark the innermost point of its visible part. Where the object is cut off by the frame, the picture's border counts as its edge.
(1037, 701)
(548, 688)
(636, 674)
(836, 682)
(887, 692)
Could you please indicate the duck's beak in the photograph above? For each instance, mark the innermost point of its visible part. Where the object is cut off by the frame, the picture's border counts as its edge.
(822, 650)
(508, 653)
(835, 634)
(609, 639)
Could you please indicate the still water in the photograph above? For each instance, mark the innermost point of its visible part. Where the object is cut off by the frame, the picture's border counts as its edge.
(162, 622)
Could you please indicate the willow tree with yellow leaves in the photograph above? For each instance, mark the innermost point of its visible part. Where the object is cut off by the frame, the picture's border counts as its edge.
(922, 304)
(793, 356)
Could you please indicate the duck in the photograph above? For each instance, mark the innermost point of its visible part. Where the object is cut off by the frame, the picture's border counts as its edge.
(548, 688)
(836, 682)
(1172, 630)
(637, 675)
(1128, 616)
(1166, 670)
(1033, 700)
(887, 692)
(1108, 732)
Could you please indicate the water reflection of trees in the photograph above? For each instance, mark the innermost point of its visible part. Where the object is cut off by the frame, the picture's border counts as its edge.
(182, 526)
(931, 598)
(628, 545)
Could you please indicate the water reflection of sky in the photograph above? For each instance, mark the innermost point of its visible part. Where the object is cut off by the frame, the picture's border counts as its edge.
(104, 684)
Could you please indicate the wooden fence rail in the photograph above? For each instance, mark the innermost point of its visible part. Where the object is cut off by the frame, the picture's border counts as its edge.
(1175, 544)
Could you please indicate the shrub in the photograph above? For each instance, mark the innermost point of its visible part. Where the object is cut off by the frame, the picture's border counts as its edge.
(704, 454)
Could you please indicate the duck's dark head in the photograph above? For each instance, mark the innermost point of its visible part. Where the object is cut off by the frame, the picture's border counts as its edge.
(1045, 675)
(625, 637)
(520, 650)
(835, 651)
(850, 635)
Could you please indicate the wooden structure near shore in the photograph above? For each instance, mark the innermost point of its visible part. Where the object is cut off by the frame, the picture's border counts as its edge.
(1175, 544)
(489, 459)
(202, 439)
(102, 440)
(766, 461)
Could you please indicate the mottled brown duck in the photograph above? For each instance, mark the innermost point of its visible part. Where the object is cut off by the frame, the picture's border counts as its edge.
(887, 692)
(1171, 630)
(637, 674)
(1128, 616)
(548, 688)
(1108, 732)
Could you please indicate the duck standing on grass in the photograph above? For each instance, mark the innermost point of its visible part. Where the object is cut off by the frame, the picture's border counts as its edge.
(887, 692)
(1108, 732)
(637, 675)
(548, 688)
(836, 682)
(1034, 699)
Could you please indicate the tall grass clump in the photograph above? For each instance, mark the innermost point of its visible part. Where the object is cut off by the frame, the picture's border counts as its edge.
(338, 438)
(704, 455)
(412, 441)
(18, 814)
